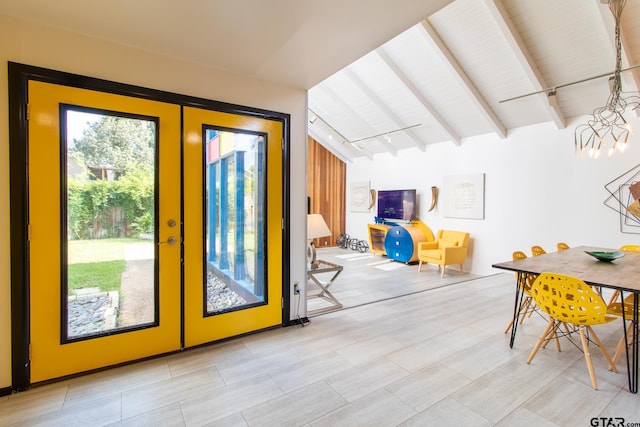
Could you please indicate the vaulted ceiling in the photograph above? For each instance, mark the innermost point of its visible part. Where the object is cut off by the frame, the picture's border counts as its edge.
(451, 76)
(293, 42)
(384, 76)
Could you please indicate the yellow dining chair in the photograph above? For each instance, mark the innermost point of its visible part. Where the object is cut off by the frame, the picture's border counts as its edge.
(562, 246)
(527, 306)
(567, 299)
(537, 250)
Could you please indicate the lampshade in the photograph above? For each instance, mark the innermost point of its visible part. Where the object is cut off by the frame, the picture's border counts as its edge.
(316, 227)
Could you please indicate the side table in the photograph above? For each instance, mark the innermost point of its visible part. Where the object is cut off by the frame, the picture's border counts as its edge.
(328, 269)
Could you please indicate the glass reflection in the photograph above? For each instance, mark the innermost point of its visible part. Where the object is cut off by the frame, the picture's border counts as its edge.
(234, 220)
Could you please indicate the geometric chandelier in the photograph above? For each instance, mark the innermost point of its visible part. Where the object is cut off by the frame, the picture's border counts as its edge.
(606, 128)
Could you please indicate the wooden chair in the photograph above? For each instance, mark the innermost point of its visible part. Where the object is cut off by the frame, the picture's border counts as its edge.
(567, 299)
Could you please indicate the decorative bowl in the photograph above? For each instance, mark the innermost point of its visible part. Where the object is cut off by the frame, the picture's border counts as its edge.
(605, 256)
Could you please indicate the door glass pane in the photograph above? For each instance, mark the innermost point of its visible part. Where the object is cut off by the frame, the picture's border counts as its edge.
(109, 209)
(234, 220)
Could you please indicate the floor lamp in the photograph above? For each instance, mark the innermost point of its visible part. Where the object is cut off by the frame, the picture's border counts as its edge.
(316, 227)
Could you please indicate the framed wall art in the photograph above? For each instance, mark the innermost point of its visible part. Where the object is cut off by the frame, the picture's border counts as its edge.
(464, 196)
(360, 197)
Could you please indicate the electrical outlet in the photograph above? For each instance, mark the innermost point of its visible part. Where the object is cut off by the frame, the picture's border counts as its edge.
(296, 288)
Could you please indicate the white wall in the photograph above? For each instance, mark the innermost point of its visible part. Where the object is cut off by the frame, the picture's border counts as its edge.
(537, 191)
(42, 46)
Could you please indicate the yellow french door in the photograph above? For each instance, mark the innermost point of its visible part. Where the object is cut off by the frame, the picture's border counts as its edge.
(232, 219)
(149, 227)
(65, 245)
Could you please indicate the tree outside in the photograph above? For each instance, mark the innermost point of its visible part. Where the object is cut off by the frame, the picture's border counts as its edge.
(111, 192)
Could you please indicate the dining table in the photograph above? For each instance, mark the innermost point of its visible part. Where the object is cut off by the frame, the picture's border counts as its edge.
(622, 274)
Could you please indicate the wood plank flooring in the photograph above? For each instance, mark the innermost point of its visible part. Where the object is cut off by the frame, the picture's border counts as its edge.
(433, 357)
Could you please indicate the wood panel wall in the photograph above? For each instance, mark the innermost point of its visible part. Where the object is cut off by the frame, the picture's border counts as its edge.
(326, 186)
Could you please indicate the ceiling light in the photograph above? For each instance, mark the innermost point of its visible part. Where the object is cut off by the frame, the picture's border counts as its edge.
(606, 126)
(386, 135)
(331, 128)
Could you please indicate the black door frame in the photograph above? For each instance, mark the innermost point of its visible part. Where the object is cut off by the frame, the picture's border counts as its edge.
(19, 77)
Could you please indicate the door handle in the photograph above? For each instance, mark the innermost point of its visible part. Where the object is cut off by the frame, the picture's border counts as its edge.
(170, 241)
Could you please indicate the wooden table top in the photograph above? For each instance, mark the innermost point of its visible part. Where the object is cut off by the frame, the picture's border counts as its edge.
(622, 273)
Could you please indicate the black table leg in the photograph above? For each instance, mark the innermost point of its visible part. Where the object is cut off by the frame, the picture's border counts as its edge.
(632, 350)
(633, 372)
(516, 308)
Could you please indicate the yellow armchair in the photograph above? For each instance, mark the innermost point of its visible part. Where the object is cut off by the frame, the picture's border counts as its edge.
(450, 247)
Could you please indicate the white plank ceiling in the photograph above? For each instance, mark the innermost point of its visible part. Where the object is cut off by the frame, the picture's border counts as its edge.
(443, 80)
(429, 71)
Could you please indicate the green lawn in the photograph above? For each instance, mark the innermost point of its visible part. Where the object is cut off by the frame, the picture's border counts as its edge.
(99, 263)
(100, 250)
(104, 275)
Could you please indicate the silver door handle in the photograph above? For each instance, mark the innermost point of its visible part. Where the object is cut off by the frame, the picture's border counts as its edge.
(170, 241)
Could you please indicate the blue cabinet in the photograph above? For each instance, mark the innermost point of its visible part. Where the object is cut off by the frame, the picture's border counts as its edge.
(401, 243)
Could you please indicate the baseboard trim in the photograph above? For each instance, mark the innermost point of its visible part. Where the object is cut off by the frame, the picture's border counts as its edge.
(5, 391)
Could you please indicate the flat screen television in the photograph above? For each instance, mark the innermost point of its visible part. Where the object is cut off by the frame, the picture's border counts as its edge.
(397, 204)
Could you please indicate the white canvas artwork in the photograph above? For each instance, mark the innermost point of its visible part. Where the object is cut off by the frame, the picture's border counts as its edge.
(360, 197)
(464, 196)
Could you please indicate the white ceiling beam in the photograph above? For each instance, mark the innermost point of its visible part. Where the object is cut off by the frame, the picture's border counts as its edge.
(335, 149)
(440, 122)
(362, 122)
(330, 137)
(517, 46)
(432, 37)
(380, 104)
(626, 58)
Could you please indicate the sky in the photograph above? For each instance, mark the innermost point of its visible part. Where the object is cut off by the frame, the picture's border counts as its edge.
(77, 121)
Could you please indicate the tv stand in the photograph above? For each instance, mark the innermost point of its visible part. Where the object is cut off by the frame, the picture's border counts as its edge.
(399, 242)
(377, 234)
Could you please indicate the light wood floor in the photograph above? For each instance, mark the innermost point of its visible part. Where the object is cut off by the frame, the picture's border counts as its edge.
(437, 357)
(367, 278)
